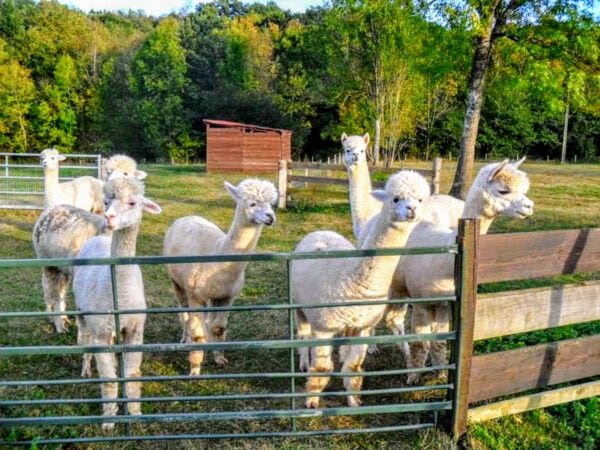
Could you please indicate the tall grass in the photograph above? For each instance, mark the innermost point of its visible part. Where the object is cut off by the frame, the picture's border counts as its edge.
(565, 197)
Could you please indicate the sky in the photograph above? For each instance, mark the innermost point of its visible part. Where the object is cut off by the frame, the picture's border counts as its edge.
(161, 7)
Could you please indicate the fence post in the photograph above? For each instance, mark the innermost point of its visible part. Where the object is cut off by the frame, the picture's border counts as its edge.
(437, 175)
(102, 168)
(463, 319)
(282, 184)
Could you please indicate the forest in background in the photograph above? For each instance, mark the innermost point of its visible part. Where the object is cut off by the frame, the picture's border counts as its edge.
(107, 83)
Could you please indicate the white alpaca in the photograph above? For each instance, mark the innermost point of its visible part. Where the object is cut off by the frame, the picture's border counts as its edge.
(123, 165)
(93, 291)
(83, 192)
(355, 279)
(216, 284)
(439, 210)
(362, 204)
(59, 232)
(498, 190)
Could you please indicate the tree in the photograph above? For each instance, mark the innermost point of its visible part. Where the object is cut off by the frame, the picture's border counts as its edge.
(492, 20)
(17, 93)
(158, 85)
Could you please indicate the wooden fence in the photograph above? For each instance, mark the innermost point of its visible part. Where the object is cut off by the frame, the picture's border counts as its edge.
(299, 173)
(518, 256)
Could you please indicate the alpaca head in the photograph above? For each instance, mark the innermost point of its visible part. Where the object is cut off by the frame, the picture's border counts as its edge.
(124, 202)
(355, 149)
(123, 165)
(255, 198)
(50, 158)
(402, 197)
(502, 188)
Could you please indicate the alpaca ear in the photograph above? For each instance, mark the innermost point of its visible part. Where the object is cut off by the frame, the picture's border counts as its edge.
(61, 157)
(232, 191)
(497, 170)
(140, 174)
(366, 138)
(150, 206)
(380, 195)
(519, 162)
(344, 137)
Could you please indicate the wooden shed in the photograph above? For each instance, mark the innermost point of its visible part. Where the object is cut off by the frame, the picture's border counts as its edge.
(240, 148)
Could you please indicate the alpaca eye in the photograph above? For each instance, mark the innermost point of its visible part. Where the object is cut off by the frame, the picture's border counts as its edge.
(251, 204)
(503, 191)
(131, 203)
(396, 199)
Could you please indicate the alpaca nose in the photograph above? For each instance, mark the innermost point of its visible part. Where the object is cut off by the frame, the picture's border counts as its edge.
(269, 219)
(412, 211)
(109, 219)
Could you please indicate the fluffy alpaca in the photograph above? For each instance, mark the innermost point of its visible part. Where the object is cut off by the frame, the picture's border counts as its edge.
(59, 232)
(93, 291)
(343, 280)
(83, 192)
(439, 210)
(123, 165)
(498, 190)
(362, 204)
(216, 284)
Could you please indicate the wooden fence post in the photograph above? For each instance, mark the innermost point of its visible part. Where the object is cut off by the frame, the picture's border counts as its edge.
(437, 175)
(282, 184)
(463, 319)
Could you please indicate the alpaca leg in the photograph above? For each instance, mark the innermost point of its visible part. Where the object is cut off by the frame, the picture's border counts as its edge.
(395, 322)
(196, 333)
(106, 364)
(421, 324)
(182, 300)
(353, 362)
(372, 348)
(441, 324)
(303, 331)
(321, 362)
(132, 362)
(83, 338)
(52, 279)
(217, 324)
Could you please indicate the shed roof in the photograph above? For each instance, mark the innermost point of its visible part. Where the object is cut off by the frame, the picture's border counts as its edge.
(226, 123)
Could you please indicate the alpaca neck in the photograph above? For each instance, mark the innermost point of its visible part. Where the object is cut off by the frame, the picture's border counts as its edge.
(242, 237)
(50, 186)
(361, 203)
(123, 242)
(375, 273)
(475, 208)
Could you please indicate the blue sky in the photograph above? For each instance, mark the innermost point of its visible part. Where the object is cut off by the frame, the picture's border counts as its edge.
(161, 7)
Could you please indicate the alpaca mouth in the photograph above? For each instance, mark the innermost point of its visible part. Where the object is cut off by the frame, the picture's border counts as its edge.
(523, 214)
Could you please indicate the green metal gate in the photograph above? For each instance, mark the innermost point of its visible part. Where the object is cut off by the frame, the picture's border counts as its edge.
(22, 177)
(274, 408)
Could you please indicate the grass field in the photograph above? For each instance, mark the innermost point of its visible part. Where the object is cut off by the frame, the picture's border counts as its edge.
(565, 197)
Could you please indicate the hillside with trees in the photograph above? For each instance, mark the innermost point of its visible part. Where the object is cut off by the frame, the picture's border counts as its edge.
(495, 78)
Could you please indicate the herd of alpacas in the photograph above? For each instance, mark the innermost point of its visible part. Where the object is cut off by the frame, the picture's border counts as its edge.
(90, 218)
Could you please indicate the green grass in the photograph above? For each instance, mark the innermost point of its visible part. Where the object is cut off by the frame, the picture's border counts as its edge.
(565, 197)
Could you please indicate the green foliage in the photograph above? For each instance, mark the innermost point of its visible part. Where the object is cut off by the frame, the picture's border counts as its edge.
(158, 84)
(123, 82)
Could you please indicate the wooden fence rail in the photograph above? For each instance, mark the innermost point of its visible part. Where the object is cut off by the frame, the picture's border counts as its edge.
(287, 176)
(518, 256)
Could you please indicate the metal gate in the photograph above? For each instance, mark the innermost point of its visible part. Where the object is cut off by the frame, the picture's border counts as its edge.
(22, 177)
(50, 410)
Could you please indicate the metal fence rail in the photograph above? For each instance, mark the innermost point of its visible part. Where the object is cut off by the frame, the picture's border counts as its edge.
(27, 420)
(22, 177)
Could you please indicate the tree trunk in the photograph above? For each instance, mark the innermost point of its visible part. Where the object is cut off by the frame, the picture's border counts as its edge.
(563, 153)
(377, 141)
(481, 59)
